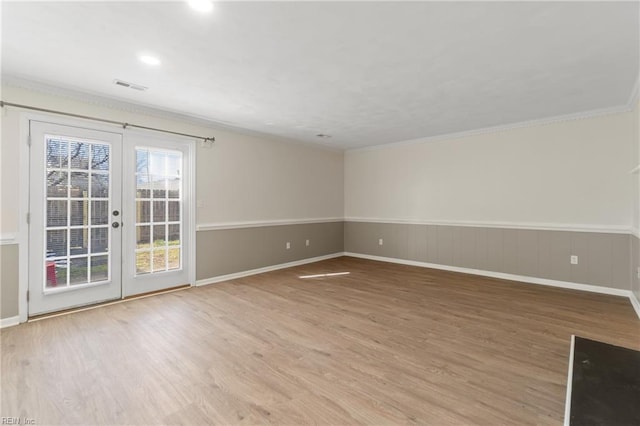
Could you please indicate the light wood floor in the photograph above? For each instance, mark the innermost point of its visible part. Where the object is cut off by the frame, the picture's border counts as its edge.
(387, 344)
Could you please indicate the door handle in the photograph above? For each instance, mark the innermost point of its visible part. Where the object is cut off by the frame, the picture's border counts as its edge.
(115, 224)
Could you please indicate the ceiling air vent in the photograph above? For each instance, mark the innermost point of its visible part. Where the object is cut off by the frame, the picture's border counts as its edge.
(130, 85)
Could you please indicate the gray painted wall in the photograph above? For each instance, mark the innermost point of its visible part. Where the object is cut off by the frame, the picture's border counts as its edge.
(218, 253)
(609, 260)
(227, 251)
(635, 262)
(603, 259)
(8, 280)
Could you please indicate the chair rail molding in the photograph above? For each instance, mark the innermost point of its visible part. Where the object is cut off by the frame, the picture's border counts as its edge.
(258, 223)
(536, 226)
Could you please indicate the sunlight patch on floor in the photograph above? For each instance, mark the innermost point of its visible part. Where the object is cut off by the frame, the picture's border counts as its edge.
(332, 274)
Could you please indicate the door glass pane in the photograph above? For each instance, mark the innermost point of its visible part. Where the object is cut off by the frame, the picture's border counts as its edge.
(143, 237)
(143, 211)
(57, 154)
(173, 211)
(159, 237)
(174, 164)
(99, 185)
(56, 243)
(158, 207)
(143, 262)
(142, 162)
(99, 157)
(159, 211)
(174, 235)
(173, 188)
(143, 186)
(57, 183)
(79, 212)
(99, 212)
(174, 258)
(77, 224)
(159, 260)
(159, 186)
(157, 162)
(100, 240)
(79, 241)
(99, 268)
(57, 213)
(78, 272)
(79, 153)
(56, 273)
(79, 187)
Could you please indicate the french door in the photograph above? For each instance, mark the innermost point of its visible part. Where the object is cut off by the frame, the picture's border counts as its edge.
(158, 214)
(75, 204)
(109, 217)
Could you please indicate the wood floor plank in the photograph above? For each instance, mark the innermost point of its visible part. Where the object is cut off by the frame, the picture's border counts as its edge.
(385, 344)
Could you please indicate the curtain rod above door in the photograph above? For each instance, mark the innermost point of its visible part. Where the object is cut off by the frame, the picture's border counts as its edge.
(103, 120)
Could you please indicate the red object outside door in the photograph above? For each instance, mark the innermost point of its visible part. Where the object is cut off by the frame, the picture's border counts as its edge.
(51, 274)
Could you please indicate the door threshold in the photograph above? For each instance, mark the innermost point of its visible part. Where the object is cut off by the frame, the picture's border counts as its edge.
(106, 303)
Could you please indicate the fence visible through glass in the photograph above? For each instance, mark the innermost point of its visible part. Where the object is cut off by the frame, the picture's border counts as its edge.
(158, 210)
(77, 212)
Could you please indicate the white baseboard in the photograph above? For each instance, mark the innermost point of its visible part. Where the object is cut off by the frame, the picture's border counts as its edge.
(235, 275)
(635, 303)
(511, 277)
(9, 322)
(567, 403)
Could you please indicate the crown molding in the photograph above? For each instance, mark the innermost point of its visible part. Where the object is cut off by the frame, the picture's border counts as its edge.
(100, 100)
(141, 108)
(94, 98)
(632, 104)
(504, 127)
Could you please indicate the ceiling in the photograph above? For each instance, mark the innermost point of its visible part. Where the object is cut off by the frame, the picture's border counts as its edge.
(366, 73)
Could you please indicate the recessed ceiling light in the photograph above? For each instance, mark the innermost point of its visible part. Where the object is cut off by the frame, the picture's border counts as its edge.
(201, 5)
(322, 135)
(149, 60)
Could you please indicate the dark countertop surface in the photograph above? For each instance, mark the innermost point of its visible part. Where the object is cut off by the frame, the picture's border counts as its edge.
(605, 385)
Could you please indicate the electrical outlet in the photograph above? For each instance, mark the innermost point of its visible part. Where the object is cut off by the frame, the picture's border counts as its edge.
(638, 272)
(574, 260)
(380, 241)
(288, 245)
(306, 243)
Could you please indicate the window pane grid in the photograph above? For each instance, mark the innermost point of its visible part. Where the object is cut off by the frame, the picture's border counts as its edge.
(78, 204)
(158, 210)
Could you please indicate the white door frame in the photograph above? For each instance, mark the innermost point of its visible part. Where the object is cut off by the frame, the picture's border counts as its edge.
(24, 185)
